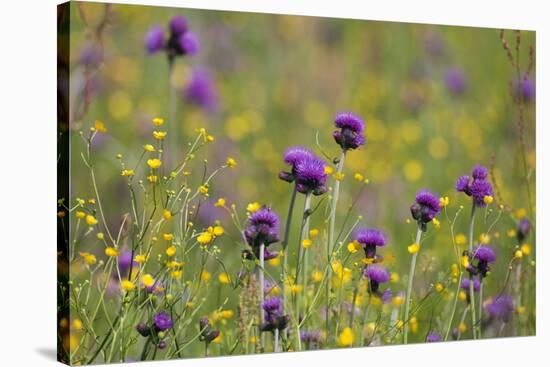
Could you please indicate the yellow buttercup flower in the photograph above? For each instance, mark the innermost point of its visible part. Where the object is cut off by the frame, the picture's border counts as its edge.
(205, 238)
(159, 135)
(154, 163)
(306, 243)
(526, 249)
(413, 248)
(439, 287)
(518, 254)
(462, 328)
(206, 276)
(149, 148)
(316, 276)
(394, 277)
(203, 189)
(80, 214)
(167, 214)
(220, 202)
(328, 170)
(313, 233)
(436, 223)
(231, 162)
(147, 280)
(127, 285)
(253, 207)
(111, 252)
(157, 121)
(218, 230)
(88, 258)
(77, 324)
(168, 236)
(487, 199)
(100, 126)
(152, 178)
(484, 238)
(455, 271)
(127, 172)
(176, 274)
(353, 247)
(140, 259)
(346, 337)
(171, 251)
(91, 220)
(460, 239)
(224, 278)
(444, 201)
(462, 296)
(358, 177)
(338, 176)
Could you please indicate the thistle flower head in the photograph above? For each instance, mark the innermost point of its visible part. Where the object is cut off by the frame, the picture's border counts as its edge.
(311, 176)
(143, 329)
(370, 239)
(525, 88)
(200, 90)
(295, 155)
(263, 227)
(189, 43)
(311, 336)
(455, 80)
(274, 319)
(350, 133)
(501, 308)
(477, 187)
(433, 337)
(425, 208)
(178, 25)
(485, 253)
(154, 40)
(376, 275)
(162, 321)
(465, 284)
(523, 229)
(208, 334)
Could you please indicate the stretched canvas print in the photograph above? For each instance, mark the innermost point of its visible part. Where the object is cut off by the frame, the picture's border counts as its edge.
(233, 183)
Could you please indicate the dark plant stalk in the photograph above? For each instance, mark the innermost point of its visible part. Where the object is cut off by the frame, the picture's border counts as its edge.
(471, 248)
(285, 243)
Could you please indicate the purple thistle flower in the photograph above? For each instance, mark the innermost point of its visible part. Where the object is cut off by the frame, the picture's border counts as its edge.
(154, 40)
(311, 337)
(143, 329)
(125, 261)
(200, 90)
(178, 25)
(162, 321)
(310, 176)
(501, 308)
(463, 185)
(479, 172)
(523, 229)
(386, 296)
(293, 156)
(263, 227)
(189, 43)
(274, 319)
(485, 253)
(208, 334)
(478, 187)
(525, 88)
(433, 337)
(370, 238)
(455, 81)
(377, 275)
(91, 55)
(425, 208)
(465, 284)
(350, 135)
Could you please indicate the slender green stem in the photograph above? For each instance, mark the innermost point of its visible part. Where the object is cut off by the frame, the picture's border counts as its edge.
(480, 307)
(261, 294)
(285, 243)
(455, 302)
(330, 244)
(471, 248)
(409, 287)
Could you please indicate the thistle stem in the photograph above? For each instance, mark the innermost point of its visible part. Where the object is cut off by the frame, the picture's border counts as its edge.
(304, 229)
(285, 243)
(330, 244)
(276, 341)
(480, 307)
(455, 301)
(261, 276)
(409, 287)
(471, 248)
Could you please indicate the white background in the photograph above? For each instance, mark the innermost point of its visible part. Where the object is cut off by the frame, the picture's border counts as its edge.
(28, 179)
